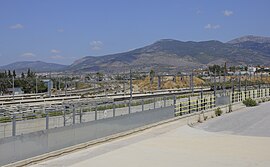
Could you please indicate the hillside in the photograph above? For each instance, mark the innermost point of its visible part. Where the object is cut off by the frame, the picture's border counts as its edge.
(166, 55)
(37, 66)
(253, 43)
(250, 38)
(173, 55)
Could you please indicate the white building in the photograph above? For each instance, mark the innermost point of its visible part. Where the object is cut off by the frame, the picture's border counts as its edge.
(251, 70)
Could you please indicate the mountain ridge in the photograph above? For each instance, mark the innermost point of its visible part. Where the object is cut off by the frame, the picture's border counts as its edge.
(170, 54)
(250, 38)
(37, 66)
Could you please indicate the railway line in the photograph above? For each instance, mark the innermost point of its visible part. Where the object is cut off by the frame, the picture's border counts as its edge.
(58, 99)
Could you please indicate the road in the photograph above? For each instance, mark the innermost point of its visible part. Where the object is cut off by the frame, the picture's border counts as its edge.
(173, 144)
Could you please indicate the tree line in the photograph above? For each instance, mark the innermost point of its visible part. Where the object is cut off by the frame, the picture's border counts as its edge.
(28, 82)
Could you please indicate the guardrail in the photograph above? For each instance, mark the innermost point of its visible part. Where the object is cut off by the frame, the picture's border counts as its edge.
(253, 94)
(194, 105)
(198, 103)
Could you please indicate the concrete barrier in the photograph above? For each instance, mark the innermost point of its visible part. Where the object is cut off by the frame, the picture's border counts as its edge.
(21, 147)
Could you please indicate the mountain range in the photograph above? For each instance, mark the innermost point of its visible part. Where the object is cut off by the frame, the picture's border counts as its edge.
(173, 55)
(37, 66)
(169, 54)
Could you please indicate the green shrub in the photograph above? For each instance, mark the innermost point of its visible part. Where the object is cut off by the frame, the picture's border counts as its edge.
(218, 112)
(31, 117)
(5, 119)
(249, 102)
(52, 114)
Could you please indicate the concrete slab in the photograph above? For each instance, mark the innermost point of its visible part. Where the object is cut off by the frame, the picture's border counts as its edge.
(251, 121)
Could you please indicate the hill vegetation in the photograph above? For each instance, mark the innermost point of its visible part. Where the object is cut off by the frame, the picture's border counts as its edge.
(172, 55)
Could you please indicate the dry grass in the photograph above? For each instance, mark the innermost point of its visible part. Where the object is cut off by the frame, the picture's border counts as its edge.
(167, 83)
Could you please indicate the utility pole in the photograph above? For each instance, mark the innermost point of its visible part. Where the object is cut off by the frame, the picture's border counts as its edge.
(191, 83)
(232, 82)
(50, 85)
(131, 90)
(239, 84)
(13, 88)
(159, 82)
(245, 85)
(261, 78)
(224, 79)
(215, 83)
(130, 81)
(65, 84)
(36, 86)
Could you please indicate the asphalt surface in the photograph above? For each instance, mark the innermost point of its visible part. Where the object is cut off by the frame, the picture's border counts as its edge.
(251, 121)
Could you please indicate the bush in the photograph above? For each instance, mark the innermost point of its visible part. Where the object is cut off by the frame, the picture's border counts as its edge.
(249, 102)
(5, 119)
(218, 112)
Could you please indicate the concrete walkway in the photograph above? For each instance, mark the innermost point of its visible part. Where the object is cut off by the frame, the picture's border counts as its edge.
(175, 145)
(251, 121)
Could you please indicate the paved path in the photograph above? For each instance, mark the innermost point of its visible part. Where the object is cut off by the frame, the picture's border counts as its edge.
(175, 145)
(251, 121)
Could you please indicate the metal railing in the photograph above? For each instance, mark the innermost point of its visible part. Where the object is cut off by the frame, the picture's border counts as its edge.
(194, 104)
(198, 103)
(18, 122)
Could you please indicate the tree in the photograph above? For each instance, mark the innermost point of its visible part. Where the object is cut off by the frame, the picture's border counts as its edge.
(22, 75)
(152, 75)
(232, 68)
(5, 76)
(9, 74)
(30, 74)
(99, 76)
(14, 73)
(216, 68)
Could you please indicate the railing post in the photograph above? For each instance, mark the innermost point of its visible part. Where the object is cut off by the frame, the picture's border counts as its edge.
(80, 115)
(204, 105)
(142, 105)
(129, 107)
(96, 112)
(73, 114)
(215, 101)
(64, 117)
(14, 125)
(201, 103)
(189, 105)
(180, 108)
(211, 102)
(197, 105)
(174, 103)
(113, 109)
(164, 101)
(154, 103)
(47, 119)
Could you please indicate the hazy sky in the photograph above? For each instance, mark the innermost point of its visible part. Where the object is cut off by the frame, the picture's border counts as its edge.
(62, 31)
